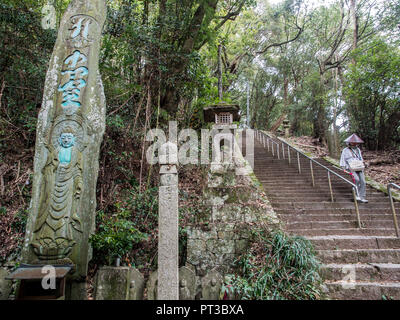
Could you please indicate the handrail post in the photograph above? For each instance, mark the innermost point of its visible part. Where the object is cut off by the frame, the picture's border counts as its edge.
(298, 162)
(396, 226)
(312, 174)
(283, 151)
(277, 151)
(288, 150)
(268, 144)
(273, 153)
(330, 186)
(357, 210)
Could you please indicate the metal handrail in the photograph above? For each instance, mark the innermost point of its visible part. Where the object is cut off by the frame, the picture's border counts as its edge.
(345, 171)
(389, 189)
(272, 145)
(329, 171)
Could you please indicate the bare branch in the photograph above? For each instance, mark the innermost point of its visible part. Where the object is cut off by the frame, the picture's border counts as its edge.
(280, 44)
(232, 15)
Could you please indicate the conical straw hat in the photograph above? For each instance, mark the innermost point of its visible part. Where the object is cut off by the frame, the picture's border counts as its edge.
(354, 139)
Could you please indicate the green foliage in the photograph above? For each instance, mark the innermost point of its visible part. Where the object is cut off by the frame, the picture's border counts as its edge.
(373, 86)
(279, 267)
(115, 237)
(144, 207)
(125, 232)
(25, 52)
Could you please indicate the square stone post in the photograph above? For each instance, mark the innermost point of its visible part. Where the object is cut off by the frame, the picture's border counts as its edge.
(168, 223)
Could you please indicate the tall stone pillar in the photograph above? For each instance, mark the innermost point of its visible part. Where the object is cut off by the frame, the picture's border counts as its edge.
(70, 129)
(168, 222)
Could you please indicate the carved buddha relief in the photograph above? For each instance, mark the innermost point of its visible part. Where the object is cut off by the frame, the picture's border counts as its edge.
(58, 216)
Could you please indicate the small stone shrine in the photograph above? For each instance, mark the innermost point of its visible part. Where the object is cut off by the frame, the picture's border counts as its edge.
(211, 285)
(119, 283)
(187, 284)
(222, 114)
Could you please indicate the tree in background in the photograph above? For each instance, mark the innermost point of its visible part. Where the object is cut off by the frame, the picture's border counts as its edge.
(374, 83)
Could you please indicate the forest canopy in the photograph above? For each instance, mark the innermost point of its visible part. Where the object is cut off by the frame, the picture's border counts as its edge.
(330, 67)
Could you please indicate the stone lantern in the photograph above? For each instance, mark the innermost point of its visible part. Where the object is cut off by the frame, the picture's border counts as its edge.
(286, 127)
(223, 115)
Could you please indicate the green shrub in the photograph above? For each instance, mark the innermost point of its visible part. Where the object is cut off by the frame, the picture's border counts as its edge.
(3, 211)
(277, 267)
(116, 237)
(144, 207)
(132, 219)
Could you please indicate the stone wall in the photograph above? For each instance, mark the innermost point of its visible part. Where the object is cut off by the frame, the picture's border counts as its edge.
(233, 203)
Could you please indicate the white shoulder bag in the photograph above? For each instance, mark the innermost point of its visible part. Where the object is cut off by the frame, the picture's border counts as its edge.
(356, 164)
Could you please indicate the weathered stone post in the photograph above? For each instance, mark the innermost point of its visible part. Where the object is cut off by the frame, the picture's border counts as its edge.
(168, 219)
(69, 132)
(286, 126)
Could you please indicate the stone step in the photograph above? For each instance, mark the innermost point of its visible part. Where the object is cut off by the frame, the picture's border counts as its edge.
(360, 256)
(335, 242)
(291, 181)
(330, 205)
(292, 226)
(322, 198)
(305, 188)
(343, 290)
(283, 166)
(267, 161)
(362, 272)
(317, 192)
(364, 211)
(344, 232)
(342, 224)
(276, 172)
(370, 219)
(302, 180)
(318, 199)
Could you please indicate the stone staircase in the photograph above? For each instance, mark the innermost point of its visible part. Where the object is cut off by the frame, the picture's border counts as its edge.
(370, 255)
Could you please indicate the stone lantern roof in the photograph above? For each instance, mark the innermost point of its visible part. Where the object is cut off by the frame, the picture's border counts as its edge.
(223, 107)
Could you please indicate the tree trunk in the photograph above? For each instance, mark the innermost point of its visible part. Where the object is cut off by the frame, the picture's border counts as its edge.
(170, 92)
(354, 20)
(277, 124)
(220, 72)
